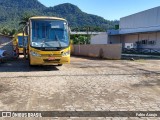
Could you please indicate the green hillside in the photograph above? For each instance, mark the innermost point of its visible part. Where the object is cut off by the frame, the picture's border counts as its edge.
(13, 10)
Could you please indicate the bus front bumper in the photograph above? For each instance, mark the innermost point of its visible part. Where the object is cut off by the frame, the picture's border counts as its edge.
(49, 61)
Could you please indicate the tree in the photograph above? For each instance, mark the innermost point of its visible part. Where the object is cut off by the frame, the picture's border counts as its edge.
(80, 39)
(7, 31)
(25, 18)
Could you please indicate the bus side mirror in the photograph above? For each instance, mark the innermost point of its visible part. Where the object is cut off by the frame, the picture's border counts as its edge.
(25, 41)
(69, 29)
(25, 33)
(26, 29)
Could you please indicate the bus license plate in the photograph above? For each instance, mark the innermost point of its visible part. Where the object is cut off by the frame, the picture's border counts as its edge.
(51, 58)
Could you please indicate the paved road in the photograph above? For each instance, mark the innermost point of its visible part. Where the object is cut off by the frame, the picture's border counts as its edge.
(84, 85)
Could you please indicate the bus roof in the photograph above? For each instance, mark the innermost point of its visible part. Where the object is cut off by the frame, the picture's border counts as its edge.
(46, 17)
(20, 34)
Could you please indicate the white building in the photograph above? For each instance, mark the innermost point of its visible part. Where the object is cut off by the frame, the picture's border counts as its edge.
(85, 33)
(140, 30)
(99, 39)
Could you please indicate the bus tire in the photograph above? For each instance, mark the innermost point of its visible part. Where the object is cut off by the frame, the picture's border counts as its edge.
(30, 63)
(60, 64)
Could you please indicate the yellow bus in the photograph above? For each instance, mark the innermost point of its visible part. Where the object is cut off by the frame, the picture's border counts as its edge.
(48, 41)
(18, 43)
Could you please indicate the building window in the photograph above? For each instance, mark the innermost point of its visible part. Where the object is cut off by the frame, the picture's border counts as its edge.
(151, 42)
(144, 42)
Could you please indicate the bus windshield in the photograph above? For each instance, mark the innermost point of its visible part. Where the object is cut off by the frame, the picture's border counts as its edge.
(20, 41)
(49, 34)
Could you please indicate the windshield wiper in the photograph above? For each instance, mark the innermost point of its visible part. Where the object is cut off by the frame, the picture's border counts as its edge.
(57, 39)
(43, 43)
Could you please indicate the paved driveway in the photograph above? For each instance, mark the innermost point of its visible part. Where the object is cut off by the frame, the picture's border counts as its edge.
(84, 85)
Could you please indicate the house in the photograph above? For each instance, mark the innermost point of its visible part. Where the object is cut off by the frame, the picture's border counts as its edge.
(99, 39)
(138, 31)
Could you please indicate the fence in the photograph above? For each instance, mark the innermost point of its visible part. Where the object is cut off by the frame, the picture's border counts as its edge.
(109, 51)
(150, 51)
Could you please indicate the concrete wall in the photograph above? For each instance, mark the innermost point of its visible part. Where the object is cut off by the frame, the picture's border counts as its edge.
(112, 51)
(115, 39)
(155, 36)
(99, 39)
(6, 44)
(133, 38)
(129, 39)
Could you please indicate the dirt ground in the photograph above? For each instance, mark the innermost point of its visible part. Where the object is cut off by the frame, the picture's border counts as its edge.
(84, 85)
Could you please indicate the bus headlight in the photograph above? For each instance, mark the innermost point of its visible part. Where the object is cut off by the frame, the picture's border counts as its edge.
(66, 53)
(35, 54)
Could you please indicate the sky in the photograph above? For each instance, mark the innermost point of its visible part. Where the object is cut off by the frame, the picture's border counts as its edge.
(108, 9)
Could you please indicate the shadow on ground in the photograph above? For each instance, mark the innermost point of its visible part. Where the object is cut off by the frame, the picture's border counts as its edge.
(89, 58)
(124, 57)
(21, 65)
(149, 83)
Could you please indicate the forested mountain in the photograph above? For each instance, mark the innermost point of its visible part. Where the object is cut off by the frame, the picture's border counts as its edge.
(12, 10)
(78, 18)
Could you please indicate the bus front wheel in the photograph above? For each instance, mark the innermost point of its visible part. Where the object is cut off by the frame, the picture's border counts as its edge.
(60, 64)
(30, 63)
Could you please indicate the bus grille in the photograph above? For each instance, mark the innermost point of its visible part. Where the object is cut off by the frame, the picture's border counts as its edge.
(49, 55)
(56, 60)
